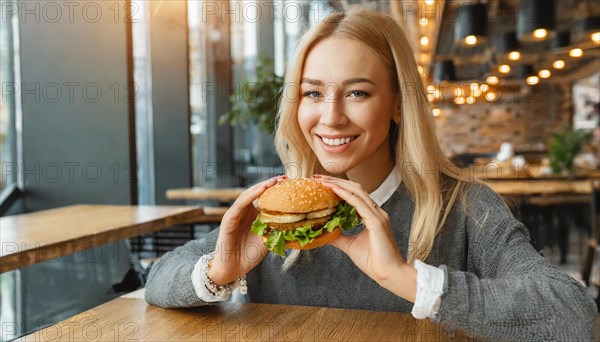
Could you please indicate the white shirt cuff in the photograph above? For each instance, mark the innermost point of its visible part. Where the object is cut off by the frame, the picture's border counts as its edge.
(201, 289)
(430, 287)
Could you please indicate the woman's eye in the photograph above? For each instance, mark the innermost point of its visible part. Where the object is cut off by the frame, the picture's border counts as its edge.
(312, 94)
(358, 94)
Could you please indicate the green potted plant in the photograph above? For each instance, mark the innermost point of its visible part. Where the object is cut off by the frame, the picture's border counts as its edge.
(564, 146)
(256, 100)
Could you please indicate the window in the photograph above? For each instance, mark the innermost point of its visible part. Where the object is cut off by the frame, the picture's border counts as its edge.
(8, 169)
(256, 29)
(143, 102)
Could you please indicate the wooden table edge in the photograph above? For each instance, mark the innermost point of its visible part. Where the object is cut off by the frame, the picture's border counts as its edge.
(49, 252)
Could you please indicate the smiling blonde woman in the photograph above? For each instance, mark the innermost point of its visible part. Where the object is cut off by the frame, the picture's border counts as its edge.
(355, 116)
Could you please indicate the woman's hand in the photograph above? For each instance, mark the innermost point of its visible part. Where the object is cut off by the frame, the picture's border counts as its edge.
(374, 250)
(238, 250)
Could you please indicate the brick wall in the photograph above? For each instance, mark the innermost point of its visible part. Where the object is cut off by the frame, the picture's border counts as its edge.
(521, 119)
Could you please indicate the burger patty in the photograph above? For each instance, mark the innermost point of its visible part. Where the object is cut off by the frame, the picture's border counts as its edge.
(316, 224)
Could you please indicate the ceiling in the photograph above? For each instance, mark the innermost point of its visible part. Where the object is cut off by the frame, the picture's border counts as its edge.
(475, 63)
(502, 17)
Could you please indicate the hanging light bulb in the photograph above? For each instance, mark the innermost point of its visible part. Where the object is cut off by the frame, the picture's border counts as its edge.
(558, 64)
(491, 96)
(471, 27)
(576, 53)
(532, 80)
(459, 100)
(492, 80)
(471, 40)
(544, 73)
(536, 20)
(595, 37)
(540, 34)
(514, 55)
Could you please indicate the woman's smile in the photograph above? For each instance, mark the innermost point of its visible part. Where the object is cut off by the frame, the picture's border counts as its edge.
(336, 144)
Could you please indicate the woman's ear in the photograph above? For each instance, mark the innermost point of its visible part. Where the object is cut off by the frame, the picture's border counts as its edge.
(397, 114)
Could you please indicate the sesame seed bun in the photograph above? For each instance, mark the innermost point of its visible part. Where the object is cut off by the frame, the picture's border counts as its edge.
(301, 195)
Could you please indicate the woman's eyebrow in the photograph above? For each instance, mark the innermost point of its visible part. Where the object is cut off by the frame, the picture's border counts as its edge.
(346, 82)
(311, 81)
(357, 80)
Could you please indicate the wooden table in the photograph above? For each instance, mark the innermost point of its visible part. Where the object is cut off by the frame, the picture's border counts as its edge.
(39, 236)
(525, 187)
(130, 318)
(219, 194)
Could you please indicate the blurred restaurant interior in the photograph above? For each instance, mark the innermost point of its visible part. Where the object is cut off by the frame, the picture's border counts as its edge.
(119, 119)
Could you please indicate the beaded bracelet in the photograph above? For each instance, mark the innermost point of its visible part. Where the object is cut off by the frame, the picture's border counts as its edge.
(222, 291)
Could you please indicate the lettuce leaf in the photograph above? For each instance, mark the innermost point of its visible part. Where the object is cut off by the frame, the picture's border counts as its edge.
(345, 217)
(276, 242)
(258, 227)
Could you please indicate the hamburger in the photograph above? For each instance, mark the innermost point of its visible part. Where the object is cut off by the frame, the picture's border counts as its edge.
(301, 214)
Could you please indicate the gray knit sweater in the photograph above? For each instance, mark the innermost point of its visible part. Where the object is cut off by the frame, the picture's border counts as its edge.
(497, 286)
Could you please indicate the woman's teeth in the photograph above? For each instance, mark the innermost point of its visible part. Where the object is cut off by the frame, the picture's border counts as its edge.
(336, 142)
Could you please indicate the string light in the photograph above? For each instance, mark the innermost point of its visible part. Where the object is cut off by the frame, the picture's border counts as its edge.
(470, 40)
(485, 87)
(436, 112)
(532, 80)
(470, 100)
(492, 80)
(596, 37)
(558, 64)
(540, 34)
(458, 92)
(514, 55)
(504, 68)
(491, 96)
(424, 41)
(459, 100)
(423, 21)
(576, 53)
(544, 73)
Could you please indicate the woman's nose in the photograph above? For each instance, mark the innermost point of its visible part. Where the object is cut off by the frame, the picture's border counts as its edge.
(332, 112)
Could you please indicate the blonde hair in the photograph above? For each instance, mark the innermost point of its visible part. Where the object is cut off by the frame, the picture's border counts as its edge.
(417, 151)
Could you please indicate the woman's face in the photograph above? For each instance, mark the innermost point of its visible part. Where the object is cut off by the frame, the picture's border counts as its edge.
(346, 104)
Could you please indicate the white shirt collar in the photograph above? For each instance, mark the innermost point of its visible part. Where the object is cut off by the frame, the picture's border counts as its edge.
(387, 188)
